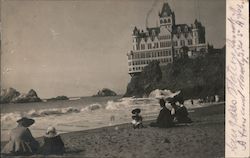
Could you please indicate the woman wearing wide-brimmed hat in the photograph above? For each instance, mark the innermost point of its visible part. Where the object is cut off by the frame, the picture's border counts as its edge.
(21, 140)
(53, 144)
(164, 119)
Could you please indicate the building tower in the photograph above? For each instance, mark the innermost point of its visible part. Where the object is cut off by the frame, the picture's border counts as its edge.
(167, 17)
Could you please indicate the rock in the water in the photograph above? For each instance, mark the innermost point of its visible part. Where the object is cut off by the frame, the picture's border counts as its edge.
(7, 95)
(58, 98)
(31, 96)
(105, 92)
(11, 95)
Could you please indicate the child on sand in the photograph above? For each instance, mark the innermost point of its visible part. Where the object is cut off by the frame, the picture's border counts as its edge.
(53, 144)
(137, 119)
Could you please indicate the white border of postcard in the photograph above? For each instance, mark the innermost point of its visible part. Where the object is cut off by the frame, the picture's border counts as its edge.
(237, 79)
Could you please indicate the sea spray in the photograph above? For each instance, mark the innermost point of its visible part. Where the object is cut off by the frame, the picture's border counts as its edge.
(94, 115)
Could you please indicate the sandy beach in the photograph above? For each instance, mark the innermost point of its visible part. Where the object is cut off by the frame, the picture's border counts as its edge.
(203, 138)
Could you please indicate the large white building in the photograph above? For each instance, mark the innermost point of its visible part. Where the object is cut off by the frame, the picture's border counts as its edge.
(165, 43)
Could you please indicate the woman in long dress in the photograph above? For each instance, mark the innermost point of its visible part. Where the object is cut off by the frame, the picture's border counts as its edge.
(21, 140)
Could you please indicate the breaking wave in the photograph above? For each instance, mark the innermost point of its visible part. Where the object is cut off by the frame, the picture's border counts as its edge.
(47, 112)
(148, 104)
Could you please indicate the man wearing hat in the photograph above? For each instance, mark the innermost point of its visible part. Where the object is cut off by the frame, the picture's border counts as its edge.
(21, 140)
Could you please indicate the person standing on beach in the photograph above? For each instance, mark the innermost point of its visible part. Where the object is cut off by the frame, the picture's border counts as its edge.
(21, 140)
(53, 144)
(164, 119)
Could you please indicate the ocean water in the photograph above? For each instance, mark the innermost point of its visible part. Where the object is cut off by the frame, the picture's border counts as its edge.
(75, 115)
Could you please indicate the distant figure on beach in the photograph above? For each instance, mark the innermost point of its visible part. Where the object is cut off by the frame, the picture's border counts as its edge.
(137, 119)
(181, 113)
(53, 144)
(192, 101)
(21, 140)
(164, 119)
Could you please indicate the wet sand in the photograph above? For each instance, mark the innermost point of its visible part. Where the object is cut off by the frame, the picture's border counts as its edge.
(203, 138)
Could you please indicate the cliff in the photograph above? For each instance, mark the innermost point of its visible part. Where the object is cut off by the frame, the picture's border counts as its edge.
(143, 83)
(196, 78)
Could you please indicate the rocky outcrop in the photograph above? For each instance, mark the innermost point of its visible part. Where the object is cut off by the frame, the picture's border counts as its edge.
(195, 78)
(11, 95)
(58, 98)
(105, 92)
(145, 82)
(7, 95)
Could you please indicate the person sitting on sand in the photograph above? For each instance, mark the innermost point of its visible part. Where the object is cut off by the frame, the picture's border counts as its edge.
(21, 140)
(137, 119)
(181, 113)
(53, 144)
(164, 119)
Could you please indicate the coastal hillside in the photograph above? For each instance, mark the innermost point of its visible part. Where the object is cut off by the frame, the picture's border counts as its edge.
(196, 78)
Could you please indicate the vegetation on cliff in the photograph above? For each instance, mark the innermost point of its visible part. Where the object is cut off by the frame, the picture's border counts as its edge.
(196, 78)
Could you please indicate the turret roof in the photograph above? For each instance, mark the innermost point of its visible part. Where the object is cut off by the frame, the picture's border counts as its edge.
(166, 10)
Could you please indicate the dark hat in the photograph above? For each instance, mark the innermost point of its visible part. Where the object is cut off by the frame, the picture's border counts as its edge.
(137, 110)
(26, 122)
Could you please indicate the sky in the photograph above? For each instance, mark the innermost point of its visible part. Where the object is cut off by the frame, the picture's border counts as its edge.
(76, 47)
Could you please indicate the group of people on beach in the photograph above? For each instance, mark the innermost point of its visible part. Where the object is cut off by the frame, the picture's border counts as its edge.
(167, 117)
(22, 143)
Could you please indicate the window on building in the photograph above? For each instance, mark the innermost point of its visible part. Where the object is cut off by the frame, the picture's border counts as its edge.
(169, 21)
(138, 47)
(168, 44)
(182, 43)
(142, 46)
(156, 45)
(175, 43)
(190, 42)
(142, 55)
(149, 46)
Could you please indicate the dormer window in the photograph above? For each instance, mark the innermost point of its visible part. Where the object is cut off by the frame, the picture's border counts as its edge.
(153, 32)
(179, 29)
(161, 21)
(165, 21)
(186, 29)
(169, 21)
